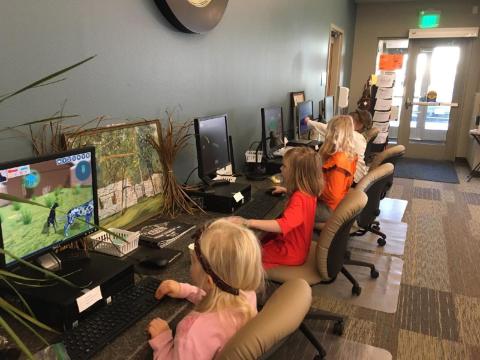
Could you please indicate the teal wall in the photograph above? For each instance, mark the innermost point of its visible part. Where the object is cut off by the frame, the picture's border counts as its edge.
(260, 51)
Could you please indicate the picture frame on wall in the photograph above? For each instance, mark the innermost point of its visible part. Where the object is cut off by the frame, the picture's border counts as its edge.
(296, 97)
(129, 172)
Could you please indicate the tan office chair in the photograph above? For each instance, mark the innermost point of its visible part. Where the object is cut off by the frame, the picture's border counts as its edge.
(375, 184)
(326, 258)
(390, 155)
(370, 136)
(282, 314)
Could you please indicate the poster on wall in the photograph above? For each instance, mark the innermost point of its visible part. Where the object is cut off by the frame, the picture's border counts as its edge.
(390, 62)
(129, 173)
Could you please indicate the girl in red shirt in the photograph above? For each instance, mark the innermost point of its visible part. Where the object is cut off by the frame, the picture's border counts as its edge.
(288, 238)
(339, 165)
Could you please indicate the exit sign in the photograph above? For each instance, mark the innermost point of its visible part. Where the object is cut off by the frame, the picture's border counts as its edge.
(429, 19)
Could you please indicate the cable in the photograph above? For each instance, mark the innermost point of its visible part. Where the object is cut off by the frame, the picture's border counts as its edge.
(253, 143)
(188, 177)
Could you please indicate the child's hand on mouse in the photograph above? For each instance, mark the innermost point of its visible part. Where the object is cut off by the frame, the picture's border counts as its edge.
(279, 190)
(157, 326)
(168, 287)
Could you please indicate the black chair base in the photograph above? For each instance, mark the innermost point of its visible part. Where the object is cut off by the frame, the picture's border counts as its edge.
(374, 228)
(348, 261)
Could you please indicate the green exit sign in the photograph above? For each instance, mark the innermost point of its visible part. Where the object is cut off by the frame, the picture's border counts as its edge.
(429, 19)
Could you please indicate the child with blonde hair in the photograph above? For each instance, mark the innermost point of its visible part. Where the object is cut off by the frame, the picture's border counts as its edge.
(289, 237)
(227, 270)
(339, 165)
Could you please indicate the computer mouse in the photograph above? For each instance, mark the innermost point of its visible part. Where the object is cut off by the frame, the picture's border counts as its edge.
(154, 263)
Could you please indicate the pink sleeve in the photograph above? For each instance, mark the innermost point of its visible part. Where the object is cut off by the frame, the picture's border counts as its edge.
(292, 215)
(162, 345)
(191, 293)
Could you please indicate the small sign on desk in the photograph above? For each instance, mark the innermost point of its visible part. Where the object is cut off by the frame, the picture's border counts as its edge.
(89, 298)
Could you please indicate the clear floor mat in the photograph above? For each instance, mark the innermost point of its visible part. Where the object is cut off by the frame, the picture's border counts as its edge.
(392, 209)
(396, 233)
(379, 294)
(337, 347)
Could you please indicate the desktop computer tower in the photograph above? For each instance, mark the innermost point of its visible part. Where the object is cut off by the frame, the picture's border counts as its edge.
(222, 198)
(60, 305)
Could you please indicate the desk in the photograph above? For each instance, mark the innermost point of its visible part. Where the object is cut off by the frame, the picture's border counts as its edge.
(476, 136)
(132, 344)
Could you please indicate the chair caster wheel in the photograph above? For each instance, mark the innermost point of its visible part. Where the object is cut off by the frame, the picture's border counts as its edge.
(356, 290)
(338, 328)
(381, 242)
(374, 274)
(319, 357)
(376, 227)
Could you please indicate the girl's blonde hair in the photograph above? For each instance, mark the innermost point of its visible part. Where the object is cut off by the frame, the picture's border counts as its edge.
(304, 171)
(233, 253)
(339, 137)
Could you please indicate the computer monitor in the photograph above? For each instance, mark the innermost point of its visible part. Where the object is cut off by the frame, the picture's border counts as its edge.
(65, 184)
(272, 128)
(328, 108)
(213, 153)
(304, 109)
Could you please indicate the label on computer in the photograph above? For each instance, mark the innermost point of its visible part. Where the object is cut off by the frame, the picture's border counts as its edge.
(238, 196)
(89, 298)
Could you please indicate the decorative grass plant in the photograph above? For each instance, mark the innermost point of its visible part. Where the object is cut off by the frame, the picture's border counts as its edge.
(172, 139)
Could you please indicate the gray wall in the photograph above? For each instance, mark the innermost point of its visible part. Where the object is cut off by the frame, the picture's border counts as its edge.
(260, 51)
(381, 20)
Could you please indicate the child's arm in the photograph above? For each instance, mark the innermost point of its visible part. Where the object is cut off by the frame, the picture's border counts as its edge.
(284, 224)
(178, 290)
(321, 128)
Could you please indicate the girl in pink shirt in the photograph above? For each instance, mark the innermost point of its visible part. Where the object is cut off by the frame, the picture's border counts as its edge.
(227, 270)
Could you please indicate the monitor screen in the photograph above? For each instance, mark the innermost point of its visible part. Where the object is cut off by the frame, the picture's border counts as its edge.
(272, 128)
(329, 111)
(65, 184)
(304, 109)
(211, 136)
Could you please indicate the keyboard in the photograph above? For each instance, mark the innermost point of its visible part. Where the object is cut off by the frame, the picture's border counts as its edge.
(106, 323)
(259, 206)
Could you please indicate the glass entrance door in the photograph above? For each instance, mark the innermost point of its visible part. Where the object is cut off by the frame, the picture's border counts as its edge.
(433, 84)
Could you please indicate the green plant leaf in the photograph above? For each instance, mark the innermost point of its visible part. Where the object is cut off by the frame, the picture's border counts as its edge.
(22, 299)
(43, 271)
(46, 78)
(21, 345)
(7, 306)
(49, 119)
(27, 325)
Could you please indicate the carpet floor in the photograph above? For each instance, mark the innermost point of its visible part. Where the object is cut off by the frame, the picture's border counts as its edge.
(438, 313)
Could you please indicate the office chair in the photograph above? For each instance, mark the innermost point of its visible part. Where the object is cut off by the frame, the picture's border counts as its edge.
(370, 136)
(390, 155)
(281, 315)
(326, 259)
(375, 184)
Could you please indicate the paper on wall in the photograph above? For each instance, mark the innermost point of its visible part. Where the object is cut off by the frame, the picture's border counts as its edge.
(381, 138)
(383, 104)
(383, 126)
(385, 80)
(381, 116)
(384, 93)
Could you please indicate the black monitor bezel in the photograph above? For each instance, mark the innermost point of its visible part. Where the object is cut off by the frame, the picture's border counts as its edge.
(35, 160)
(203, 174)
(298, 116)
(263, 110)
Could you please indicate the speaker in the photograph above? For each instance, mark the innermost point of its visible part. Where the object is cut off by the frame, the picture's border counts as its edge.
(343, 96)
